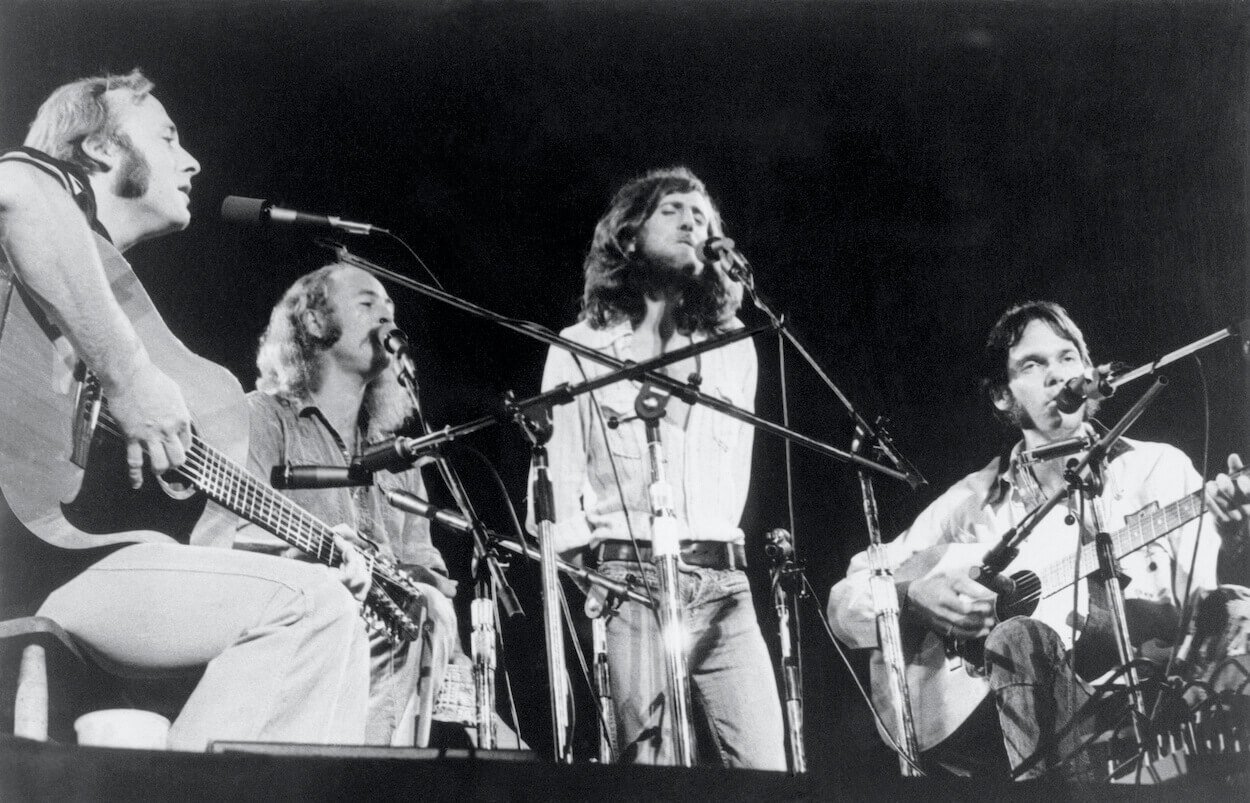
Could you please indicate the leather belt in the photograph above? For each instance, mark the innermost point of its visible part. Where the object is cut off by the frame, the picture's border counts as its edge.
(704, 554)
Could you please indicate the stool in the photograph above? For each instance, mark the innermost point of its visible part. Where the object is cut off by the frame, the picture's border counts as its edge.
(46, 681)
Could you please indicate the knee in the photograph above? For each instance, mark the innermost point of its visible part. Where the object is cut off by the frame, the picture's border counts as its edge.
(330, 601)
(1017, 645)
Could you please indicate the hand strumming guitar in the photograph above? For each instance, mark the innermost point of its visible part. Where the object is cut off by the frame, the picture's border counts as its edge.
(951, 605)
(149, 408)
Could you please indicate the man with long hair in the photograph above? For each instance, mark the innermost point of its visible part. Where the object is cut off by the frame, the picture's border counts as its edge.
(1031, 700)
(281, 645)
(647, 292)
(326, 388)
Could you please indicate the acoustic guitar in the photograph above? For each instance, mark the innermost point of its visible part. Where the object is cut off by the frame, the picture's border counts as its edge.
(63, 465)
(945, 678)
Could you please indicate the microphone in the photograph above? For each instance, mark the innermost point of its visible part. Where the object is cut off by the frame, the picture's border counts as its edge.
(1061, 448)
(286, 477)
(237, 209)
(393, 454)
(409, 503)
(717, 248)
(1080, 388)
(395, 343)
(778, 544)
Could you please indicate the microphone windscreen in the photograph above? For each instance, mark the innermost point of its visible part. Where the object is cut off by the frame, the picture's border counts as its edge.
(242, 210)
(391, 338)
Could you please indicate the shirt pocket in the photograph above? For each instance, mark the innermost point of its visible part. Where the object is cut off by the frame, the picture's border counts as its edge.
(725, 430)
(616, 403)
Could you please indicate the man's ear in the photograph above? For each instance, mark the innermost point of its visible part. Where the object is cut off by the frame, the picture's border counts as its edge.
(313, 324)
(1001, 396)
(102, 149)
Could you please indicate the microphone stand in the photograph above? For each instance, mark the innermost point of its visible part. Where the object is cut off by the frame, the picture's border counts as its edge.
(908, 472)
(615, 590)
(787, 587)
(989, 573)
(647, 370)
(603, 688)
(665, 554)
(490, 588)
(538, 430)
(886, 607)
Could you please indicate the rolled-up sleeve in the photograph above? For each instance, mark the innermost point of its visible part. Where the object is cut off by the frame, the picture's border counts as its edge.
(566, 458)
(851, 613)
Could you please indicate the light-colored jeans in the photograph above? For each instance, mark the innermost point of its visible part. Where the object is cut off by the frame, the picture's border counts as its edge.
(282, 644)
(732, 679)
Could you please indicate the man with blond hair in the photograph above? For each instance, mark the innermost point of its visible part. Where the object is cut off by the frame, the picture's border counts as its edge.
(280, 644)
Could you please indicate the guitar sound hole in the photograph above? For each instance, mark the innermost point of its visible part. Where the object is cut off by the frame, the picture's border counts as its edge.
(1025, 599)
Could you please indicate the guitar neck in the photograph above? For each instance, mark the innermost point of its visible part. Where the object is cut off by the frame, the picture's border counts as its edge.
(1062, 573)
(236, 489)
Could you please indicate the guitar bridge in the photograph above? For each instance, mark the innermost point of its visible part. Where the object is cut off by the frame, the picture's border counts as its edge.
(88, 399)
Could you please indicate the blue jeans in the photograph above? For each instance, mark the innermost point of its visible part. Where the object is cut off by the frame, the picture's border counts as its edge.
(731, 675)
(1041, 701)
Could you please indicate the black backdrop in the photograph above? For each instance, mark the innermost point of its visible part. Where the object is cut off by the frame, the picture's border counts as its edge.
(897, 173)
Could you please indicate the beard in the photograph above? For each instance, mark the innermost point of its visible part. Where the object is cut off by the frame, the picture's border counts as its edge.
(657, 277)
(134, 173)
(1018, 417)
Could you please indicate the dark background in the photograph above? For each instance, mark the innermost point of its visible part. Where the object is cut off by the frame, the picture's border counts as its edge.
(897, 173)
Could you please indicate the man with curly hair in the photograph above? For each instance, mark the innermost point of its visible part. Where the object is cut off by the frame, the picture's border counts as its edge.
(326, 388)
(647, 291)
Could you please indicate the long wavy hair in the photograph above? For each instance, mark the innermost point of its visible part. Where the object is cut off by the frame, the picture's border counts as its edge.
(83, 110)
(618, 281)
(287, 358)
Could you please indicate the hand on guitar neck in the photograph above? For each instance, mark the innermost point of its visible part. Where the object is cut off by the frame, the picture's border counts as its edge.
(355, 571)
(1228, 499)
(953, 605)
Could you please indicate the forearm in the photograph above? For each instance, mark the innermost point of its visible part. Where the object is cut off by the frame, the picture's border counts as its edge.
(53, 254)
(852, 615)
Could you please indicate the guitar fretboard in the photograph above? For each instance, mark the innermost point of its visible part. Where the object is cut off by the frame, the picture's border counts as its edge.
(234, 488)
(1062, 573)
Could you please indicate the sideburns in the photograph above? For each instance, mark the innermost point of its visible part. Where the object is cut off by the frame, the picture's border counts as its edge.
(134, 173)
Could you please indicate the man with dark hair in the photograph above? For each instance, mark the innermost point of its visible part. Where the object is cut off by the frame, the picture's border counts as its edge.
(1034, 681)
(281, 645)
(647, 292)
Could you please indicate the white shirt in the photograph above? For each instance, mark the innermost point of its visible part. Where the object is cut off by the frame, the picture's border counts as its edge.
(707, 454)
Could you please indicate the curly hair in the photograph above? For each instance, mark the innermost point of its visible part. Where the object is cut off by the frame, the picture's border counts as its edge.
(286, 359)
(83, 110)
(1006, 333)
(617, 282)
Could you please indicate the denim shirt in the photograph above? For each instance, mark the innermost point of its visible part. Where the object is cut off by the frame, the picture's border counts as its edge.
(982, 506)
(707, 454)
(296, 433)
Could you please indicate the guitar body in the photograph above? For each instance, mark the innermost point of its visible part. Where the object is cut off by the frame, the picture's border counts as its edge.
(63, 477)
(945, 679)
(943, 693)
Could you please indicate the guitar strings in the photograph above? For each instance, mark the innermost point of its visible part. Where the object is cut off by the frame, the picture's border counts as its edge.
(212, 471)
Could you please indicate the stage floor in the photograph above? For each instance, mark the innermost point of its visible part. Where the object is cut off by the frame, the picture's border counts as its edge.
(43, 771)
